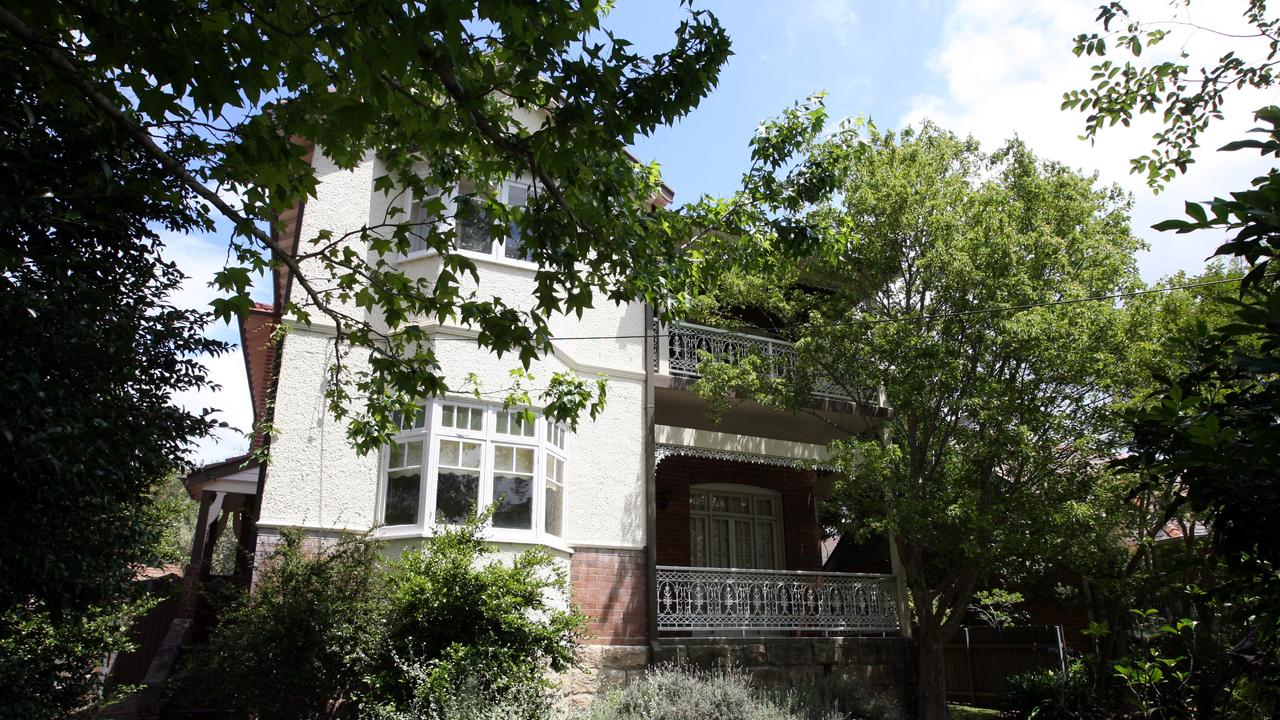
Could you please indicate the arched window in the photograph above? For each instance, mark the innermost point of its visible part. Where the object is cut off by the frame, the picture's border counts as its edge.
(735, 526)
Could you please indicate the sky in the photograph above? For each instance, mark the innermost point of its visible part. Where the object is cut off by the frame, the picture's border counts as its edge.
(994, 69)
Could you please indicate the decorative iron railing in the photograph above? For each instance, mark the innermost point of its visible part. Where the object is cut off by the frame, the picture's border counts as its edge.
(692, 598)
(686, 343)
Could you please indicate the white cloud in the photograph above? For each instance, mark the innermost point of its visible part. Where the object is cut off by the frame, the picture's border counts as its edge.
(230, 399)
(1004, 65)
(818, 19)
(199, 257)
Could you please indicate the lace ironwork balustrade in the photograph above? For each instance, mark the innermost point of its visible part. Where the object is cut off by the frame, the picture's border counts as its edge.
(687, 342)
(692, 598)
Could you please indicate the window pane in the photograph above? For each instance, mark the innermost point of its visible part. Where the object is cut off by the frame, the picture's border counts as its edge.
(513, 246)
(456, 492)
(447, 419)
(742, 544)
(524, 461)
(554, 509)
(477, 417)
(449, 452)
(411, 422)
(422, 221)
(473, 226)
(513, 495)
(719, 545)
(514, 423)
(401, 507)
(698, 501)
(698, 541)
(405, 455)
(739, 505)
(470, 457)
(764, 546)
(504, 457)
(764, 507)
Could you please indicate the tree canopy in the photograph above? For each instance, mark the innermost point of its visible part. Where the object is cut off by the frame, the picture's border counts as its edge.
(225, 96)
(922, 265)
(93, 352)
(1187, 99)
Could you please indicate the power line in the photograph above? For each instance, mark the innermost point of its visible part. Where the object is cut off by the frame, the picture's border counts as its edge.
(937, 316)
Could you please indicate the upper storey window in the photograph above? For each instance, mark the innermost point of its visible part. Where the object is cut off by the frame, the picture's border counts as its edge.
(451, 459)
(475, 230)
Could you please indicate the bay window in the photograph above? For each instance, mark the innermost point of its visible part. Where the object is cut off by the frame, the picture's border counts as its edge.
(454, 458)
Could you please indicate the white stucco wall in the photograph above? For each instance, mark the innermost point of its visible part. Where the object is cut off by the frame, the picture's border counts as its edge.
(316, 480)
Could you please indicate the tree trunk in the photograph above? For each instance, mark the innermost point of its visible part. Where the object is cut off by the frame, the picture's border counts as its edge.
(931, 678)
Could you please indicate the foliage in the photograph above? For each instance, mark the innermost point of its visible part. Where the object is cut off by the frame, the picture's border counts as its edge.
(464, 616)
(364, 636)
(1159, 683)
(48, 665)
(472, 699)
(1187, 99)
(837, 696)
(447, 96)
(92, 353)
(1048, 695)
(300, 645)
(997, 607)
(176, 512)
(988, 461)
(669, 692)
(1207, 436)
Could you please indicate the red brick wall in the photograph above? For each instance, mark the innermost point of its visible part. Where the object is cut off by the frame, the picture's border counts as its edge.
(800, 530)
(609, 586)
(1043, 609)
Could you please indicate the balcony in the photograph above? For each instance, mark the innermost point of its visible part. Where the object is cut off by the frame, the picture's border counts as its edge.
(722, 599)
(681, 350)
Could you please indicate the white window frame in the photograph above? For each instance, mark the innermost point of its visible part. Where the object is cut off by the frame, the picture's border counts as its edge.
(433, 432)
(497, 248)
(752, 492)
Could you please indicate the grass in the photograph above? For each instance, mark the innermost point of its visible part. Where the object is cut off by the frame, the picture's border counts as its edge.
(964, 712)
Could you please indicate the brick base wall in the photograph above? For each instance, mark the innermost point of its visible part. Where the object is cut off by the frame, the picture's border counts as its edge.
(610, 587)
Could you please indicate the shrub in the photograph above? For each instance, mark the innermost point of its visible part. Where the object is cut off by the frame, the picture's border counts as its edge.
(298, 647)
(458, 617)
(843, 697)
(679, 693)
(447, 630)
(49, 663)
(1047, 695)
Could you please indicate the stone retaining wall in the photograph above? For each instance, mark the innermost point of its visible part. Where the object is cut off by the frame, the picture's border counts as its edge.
(882, 664)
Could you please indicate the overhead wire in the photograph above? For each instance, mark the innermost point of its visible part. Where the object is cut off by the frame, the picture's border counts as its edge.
(932, 316)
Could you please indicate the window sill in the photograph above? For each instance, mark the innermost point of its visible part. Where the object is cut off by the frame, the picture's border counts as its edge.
(479, 258)
(492, 535)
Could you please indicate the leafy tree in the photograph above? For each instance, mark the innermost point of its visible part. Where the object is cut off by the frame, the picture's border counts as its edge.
(1208, 436)
(223, 95)
(1188, 100)
(92, 353)
(989, 460)
(1204, 438)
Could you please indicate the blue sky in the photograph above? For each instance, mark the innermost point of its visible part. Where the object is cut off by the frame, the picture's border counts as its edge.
(990, 68)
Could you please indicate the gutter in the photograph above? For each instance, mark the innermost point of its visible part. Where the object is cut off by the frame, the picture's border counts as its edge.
(650, 485)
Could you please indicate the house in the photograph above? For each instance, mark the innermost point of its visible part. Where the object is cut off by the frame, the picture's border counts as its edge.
(684, 539)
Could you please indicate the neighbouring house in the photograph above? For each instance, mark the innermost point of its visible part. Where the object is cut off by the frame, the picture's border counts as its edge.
(685, 540)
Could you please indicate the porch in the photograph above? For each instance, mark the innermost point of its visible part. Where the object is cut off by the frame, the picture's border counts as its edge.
(739, 550)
